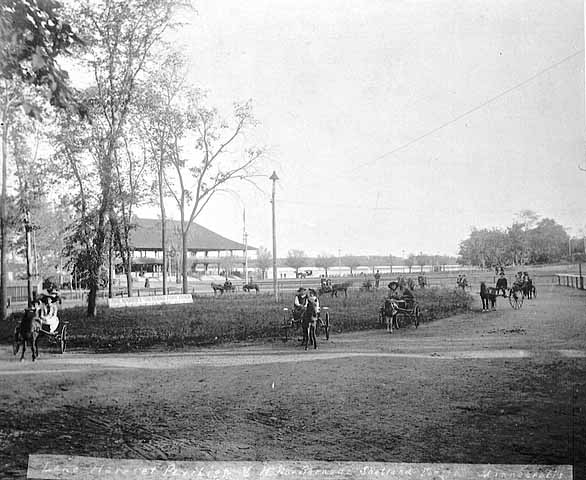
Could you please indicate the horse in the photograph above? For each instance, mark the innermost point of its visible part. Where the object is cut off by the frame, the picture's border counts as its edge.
(28, 332)
(488, 297)
(388, 313)
(249, 287)
(528, 289)
(340, 287)
(218, 288)
(501, 285)
(309, 322)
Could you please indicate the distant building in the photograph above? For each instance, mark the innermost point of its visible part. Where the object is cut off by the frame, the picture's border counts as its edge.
(207, 250)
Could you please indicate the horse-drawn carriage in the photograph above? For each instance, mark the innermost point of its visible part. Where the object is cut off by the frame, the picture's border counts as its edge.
(223, 287)
(293, 321)
(407, 310)
(41, 320)
(334, 288)
(521, 289)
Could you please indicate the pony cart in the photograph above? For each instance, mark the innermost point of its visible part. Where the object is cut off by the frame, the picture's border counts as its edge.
(407, 310)
(34, 325)
(291, 323)
(58, 337)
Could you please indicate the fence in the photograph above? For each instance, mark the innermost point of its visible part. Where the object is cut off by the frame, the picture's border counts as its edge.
(572, 281)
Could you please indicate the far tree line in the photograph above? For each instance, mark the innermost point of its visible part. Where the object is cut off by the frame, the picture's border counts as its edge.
(298, 260)
(528, 240)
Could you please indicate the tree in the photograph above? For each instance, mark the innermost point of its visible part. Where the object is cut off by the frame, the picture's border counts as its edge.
(121, 37)
(193, 181)
(162, 116)
(351, 262)
(296, 259)
(32, 36)
(547, 242)
(325, 262)
(410, 261)
(264, 260)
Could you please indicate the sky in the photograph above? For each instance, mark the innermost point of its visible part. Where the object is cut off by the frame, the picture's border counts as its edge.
(394, 126)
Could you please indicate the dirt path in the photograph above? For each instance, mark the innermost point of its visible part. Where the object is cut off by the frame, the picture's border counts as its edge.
(500, 387)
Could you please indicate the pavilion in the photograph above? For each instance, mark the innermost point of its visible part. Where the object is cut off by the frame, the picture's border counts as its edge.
(206, 249)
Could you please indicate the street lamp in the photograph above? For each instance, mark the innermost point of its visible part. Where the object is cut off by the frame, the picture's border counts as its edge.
(274, 178)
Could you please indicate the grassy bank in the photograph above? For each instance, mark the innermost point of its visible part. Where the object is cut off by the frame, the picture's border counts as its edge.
(226, 319)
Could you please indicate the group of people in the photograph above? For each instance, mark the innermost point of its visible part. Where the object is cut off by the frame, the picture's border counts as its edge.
(302, 298)
(462, 282)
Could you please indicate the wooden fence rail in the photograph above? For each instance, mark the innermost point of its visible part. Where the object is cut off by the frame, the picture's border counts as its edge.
(572, 281)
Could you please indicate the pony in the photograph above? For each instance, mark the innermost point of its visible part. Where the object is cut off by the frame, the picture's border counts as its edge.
(335, 288)
(309, 322)
(28, 331)
(388, 314)
(528, 289)
(488, 297)
(249, 287)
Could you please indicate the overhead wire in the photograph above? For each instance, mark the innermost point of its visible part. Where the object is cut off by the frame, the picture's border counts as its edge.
(467, 112)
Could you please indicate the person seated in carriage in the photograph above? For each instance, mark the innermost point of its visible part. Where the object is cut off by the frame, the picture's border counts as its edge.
(518, 280)
(300, 303)
(47, 305)
(312, 297)
(402, 297)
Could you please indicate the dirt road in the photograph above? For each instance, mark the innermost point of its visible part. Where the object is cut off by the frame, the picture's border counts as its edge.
(500, 387)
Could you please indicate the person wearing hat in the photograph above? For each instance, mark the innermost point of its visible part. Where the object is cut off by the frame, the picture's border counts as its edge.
(395, 292)
(300, 303)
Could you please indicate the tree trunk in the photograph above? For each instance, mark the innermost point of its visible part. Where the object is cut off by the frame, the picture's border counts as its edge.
(185, 288)
(128, 268)
(92, 309)
(163, 219)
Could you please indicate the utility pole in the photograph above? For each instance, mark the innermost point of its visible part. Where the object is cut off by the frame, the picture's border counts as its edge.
(245, 235)
(274, 178)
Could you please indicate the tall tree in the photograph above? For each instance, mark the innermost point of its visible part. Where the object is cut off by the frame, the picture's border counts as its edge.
(194, 179)
(264, 260)
(296, 259)
(32, 36)
(162, 115)
(325, 262)
(121, 38)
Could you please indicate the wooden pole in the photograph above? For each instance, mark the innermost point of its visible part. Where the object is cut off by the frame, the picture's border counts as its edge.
(274, 178)
(29, 286)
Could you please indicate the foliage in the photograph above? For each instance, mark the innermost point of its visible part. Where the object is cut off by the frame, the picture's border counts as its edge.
(528, 240)
(296, 259)
(263, 261)
(32, 36)
(325, 262)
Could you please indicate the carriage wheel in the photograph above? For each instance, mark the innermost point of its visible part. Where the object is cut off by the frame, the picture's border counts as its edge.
(417, 316)
(516, 300)
(285, 326)
(63, 339)
(327, 325)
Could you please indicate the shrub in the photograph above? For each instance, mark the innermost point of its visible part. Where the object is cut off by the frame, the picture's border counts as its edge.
(226, 319)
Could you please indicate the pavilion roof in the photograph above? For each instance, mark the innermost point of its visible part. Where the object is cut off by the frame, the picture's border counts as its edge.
(147, 236)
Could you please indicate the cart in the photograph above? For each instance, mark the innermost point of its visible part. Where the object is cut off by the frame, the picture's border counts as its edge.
(290, 325)
(58, 337)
